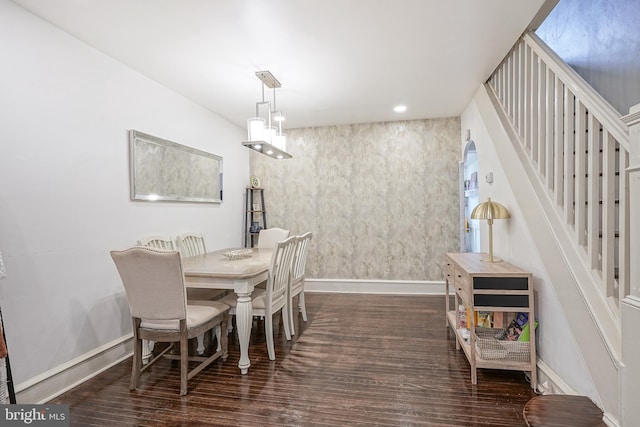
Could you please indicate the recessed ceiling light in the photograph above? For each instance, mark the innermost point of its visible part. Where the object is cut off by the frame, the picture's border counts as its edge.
(400, 108)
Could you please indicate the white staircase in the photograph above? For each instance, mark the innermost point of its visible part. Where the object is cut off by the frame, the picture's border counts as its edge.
(566, 152)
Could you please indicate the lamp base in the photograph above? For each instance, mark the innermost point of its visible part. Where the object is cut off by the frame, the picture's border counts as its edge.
(495, 259)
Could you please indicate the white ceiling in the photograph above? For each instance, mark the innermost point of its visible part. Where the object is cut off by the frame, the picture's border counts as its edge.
(339, 61)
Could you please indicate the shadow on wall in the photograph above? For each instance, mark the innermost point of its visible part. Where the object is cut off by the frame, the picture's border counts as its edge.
(600, 40)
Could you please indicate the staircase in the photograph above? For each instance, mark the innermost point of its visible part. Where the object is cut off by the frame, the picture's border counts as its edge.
(566, 151)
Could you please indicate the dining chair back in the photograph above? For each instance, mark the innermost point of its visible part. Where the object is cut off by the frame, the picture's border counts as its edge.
(276, 295)
(268, 237)
(274, 298)
(154, 284)
(158, 242)
(191, 244)
(296, 286)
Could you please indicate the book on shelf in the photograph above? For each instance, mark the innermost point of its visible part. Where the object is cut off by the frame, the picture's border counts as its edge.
(525, 335)
(484, 319)
(515, 328)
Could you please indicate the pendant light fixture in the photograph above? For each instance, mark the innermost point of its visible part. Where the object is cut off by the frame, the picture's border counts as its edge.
(264, 131)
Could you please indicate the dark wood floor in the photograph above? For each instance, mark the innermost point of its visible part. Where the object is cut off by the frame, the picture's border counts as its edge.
(369, 360)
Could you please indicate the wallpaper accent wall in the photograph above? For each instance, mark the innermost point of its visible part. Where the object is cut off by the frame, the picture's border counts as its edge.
(380, 198)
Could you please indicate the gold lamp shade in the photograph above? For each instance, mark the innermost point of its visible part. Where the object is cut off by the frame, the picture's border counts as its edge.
(490, 210)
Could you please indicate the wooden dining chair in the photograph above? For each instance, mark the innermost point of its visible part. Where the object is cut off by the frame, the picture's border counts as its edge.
(268, 237)
(191, 244)
(194, 296)
(158, 242)
(296, 284)
(267, 302)
(154, 284)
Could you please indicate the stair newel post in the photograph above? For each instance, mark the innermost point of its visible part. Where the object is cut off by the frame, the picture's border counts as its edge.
(630, 305)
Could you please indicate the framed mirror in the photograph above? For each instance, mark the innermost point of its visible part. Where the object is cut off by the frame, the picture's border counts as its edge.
(162, 170)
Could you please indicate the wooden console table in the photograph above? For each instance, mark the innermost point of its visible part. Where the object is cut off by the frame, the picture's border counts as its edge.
(495, 287)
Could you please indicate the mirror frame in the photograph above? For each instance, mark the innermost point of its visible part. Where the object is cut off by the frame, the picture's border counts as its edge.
(162, 170)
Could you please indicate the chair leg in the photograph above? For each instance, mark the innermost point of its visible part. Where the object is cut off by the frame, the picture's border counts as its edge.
(223, 341)
(268, 331)
(302, 306)
(136, 366)
(286, 318)
(291, 322)
(184, 364)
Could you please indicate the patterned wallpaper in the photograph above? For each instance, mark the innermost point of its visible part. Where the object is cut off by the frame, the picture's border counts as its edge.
(380, 198)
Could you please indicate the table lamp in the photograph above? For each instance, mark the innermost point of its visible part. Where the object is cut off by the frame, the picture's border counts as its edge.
(490, 210)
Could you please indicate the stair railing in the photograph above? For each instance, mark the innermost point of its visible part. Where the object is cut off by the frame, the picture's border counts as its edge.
(580, 148)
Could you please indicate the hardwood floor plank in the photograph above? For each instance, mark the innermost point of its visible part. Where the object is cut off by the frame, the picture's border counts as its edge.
(360, 360)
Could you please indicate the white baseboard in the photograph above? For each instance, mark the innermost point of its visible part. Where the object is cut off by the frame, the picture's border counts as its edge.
(54, 382)
(390, 287)
(549, 382)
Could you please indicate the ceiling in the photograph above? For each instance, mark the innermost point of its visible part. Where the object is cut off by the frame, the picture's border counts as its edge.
(339, 61)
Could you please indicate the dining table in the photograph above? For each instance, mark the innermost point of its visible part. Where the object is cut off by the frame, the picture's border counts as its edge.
(214, 270)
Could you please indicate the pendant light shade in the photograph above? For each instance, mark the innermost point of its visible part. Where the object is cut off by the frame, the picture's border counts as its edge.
(264, 131)
(255, 128)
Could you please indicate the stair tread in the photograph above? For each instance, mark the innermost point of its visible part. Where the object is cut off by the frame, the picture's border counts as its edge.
(559, 410)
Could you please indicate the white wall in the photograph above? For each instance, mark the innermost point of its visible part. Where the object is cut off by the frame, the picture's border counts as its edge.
(600, 40)
(65, 109)
(557, 348)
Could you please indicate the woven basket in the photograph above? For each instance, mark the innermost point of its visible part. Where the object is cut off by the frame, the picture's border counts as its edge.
(489, 347)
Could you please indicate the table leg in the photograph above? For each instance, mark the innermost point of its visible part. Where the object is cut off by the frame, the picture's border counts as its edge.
(244, 317)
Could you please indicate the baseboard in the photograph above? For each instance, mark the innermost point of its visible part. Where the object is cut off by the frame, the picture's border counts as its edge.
(391, 287)
(549, 382)
(54, 382)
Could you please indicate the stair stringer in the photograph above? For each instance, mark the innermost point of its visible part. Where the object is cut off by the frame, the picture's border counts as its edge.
(595, 326)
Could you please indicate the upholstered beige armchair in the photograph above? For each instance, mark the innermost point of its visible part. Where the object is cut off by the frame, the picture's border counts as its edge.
(154, 284)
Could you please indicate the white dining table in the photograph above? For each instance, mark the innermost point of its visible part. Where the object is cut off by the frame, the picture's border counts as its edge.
(215, 271)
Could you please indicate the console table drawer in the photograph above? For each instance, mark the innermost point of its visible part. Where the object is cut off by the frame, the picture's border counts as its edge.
(501, 283)
(505, 301)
